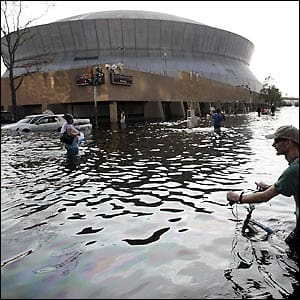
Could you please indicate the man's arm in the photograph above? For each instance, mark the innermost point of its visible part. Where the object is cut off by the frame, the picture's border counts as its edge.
(257, 197)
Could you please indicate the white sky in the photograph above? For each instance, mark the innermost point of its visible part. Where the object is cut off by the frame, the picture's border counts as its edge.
(272, 26)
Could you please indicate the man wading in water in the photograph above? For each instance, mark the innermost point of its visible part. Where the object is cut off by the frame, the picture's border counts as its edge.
(71, 144)
(286, 142)
(217, 118)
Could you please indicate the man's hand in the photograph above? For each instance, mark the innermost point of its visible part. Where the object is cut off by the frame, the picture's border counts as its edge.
(232, 197)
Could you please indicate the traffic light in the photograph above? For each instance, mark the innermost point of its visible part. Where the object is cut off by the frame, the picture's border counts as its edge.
(99, 75)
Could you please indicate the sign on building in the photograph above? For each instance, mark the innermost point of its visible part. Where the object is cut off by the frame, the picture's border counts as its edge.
(121, 79)
(84, 79)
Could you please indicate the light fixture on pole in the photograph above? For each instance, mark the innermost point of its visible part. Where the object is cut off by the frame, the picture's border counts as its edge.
(165, 55)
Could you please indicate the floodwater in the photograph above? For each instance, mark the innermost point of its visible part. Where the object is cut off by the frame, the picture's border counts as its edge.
(144, 214)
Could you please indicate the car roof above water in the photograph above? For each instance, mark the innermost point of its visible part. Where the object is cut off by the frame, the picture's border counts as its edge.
(44, 115)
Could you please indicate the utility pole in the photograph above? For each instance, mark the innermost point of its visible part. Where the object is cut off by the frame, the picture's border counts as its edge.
(165, 55)
(95, 102)
(98, 78)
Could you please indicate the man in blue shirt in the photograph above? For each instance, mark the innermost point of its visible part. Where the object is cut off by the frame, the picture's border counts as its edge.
(217, 117)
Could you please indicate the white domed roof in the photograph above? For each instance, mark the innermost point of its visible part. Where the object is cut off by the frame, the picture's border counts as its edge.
(128, 14)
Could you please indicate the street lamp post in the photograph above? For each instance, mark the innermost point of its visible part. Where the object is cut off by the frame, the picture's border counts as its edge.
(249, 89)
(95, 102)
(122, 54)
(165, 55)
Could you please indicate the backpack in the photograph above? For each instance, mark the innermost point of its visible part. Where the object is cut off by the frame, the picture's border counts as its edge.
(67, 139)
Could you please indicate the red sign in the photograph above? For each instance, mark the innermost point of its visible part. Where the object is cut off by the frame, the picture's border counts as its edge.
(84, 79)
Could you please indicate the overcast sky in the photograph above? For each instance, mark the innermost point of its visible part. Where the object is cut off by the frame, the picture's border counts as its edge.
(272, 26)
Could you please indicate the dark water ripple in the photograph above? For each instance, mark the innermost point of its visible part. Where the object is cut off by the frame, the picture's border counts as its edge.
(145, 208)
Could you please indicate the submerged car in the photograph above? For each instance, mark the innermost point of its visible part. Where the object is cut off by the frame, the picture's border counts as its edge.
(45, 122)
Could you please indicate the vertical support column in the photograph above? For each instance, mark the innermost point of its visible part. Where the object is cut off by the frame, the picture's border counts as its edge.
(113, 112)
(69, 108)
(177, 109)
(95, 104)
(154, 110)
(197, 108)
(44, 106)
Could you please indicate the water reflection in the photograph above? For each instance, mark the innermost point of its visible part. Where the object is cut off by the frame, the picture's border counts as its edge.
(144, 210)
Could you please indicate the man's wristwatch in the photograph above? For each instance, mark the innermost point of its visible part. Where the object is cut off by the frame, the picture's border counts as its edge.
(240, 201)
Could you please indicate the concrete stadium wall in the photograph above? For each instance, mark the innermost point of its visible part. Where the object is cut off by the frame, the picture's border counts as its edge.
(58, 90)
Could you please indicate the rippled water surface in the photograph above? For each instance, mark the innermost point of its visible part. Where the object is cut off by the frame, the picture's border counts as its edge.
(144, 214)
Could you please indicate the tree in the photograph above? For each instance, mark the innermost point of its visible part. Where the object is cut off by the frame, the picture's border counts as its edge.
(14, 34)
(269, 93)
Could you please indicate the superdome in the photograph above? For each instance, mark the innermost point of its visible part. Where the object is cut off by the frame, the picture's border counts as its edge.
(146, 41)
(128, 14)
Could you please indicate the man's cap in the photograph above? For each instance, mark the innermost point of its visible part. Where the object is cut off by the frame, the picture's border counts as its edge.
(68, 117)
(288, 132)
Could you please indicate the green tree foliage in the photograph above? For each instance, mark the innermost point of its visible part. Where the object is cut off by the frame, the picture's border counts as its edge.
(269, 93)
